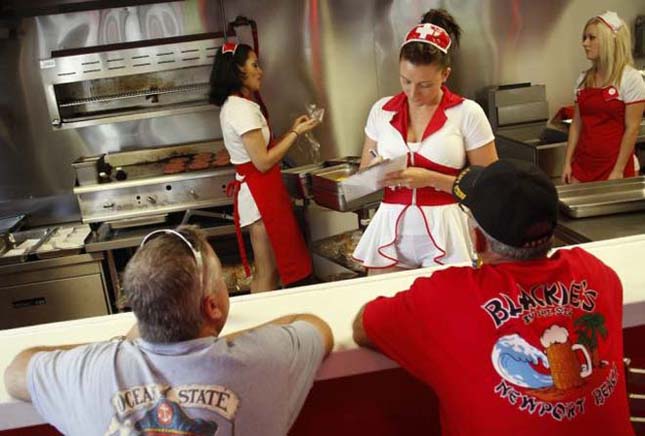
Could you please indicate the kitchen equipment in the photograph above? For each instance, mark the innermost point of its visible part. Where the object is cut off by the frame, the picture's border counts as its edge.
(11, 223)
(64, 241)
(518, 115)
(339, 249)
(21, 244)
(129, 81)
(298, 179)
(60, 289)
(602, 198)
(327, 190)
(149, 190)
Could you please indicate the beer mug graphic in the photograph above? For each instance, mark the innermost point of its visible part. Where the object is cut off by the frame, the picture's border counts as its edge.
(566, 370)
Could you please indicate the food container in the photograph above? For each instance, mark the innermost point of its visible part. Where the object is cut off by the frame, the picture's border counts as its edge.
(64, 241)
(354, 160)
(328, 191)
(298, 180)
(602, 198)
(339, 249)
(22, 244)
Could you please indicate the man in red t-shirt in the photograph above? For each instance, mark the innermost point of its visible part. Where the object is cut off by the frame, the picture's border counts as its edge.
(523, 344)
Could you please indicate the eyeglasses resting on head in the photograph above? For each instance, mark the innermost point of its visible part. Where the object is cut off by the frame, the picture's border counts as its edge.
(185, 238)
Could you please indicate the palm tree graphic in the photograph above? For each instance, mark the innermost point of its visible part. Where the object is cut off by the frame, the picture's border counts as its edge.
(591, 326)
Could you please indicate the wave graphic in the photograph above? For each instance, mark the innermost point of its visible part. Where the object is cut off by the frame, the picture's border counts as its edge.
(513, 359)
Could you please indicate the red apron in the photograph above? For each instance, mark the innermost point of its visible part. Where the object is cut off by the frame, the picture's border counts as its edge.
(603, 125)
(291, 254)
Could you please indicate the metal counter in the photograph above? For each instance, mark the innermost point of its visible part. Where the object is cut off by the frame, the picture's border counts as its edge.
(57, 289)
(132, 238)
(575, 231)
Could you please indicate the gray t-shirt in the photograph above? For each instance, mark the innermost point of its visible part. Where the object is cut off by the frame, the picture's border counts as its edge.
(254, 385)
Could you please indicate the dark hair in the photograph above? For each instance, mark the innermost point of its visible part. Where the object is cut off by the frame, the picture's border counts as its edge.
(226, 75)
(419, 53)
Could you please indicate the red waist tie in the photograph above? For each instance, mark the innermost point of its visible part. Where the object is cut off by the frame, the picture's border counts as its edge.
(232, 190)
(425, 196)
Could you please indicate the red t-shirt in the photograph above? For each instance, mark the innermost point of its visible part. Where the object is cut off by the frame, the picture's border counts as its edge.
(527, 348)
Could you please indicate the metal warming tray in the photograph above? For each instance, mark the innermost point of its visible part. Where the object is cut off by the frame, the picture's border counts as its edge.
(22, 244)
(328, 191)
(602, 198)
(298, 179)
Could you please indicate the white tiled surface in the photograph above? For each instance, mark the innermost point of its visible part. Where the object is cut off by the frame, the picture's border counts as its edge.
(337, 303)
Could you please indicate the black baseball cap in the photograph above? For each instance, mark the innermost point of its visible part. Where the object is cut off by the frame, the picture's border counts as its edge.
(511, 200)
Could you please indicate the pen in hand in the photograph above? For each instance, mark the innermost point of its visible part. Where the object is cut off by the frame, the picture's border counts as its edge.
(376, 158)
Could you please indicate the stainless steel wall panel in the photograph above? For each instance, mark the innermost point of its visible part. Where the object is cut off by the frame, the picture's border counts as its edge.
(339, 54)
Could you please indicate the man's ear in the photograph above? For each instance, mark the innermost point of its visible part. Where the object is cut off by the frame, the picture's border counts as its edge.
(479, 240)
(210, 307)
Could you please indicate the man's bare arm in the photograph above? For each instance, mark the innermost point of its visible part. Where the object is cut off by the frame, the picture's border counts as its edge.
(15, 376)
(360, 336)
(320, 325)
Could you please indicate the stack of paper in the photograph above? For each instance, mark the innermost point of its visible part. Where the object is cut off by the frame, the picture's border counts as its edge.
(371, 179)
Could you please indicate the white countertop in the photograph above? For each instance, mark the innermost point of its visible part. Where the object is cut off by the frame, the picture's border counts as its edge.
(336, 302)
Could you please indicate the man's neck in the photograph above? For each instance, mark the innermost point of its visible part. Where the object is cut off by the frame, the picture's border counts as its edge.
(490, 258)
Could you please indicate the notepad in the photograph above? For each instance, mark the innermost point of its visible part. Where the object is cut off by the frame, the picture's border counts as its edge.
(371, 179)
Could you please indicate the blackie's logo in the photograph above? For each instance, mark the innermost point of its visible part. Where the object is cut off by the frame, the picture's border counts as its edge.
(541, 301)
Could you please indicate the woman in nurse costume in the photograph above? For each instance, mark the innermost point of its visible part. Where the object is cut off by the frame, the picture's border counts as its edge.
(418, 223)
(260, 199)
(610, 98)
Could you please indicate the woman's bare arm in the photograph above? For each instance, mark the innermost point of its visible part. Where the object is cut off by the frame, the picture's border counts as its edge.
(633, 117)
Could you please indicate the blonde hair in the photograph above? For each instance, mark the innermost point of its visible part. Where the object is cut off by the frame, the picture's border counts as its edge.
(615, 53)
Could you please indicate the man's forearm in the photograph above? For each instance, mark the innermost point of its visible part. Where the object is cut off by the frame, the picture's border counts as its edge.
(15, 376)
(283, 320)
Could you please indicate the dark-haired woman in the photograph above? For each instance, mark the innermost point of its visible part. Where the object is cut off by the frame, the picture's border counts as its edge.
(418, 223)
(261, 200)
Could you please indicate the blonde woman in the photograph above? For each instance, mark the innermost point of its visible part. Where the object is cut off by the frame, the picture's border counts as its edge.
(610, 98)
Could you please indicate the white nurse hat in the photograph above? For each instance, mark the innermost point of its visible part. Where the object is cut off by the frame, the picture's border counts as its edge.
(612, 20)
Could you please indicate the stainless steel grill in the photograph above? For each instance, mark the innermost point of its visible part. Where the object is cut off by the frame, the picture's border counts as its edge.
(129, 81)
(124, 188)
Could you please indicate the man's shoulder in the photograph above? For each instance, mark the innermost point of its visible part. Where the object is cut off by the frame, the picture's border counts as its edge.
(271, 335)
(579, 256)
(465, 272)
(453, 276)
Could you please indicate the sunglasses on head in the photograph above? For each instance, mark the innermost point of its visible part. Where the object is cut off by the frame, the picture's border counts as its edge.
(186, 239)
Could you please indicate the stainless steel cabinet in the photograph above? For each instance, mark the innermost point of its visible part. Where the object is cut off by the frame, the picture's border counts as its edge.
(59, 289)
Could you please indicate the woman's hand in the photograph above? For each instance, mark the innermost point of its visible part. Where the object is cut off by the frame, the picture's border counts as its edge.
(303, 124)
(412, 177)
(567, 177)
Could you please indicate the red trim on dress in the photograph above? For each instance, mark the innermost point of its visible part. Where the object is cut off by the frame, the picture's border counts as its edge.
(424, 197)
(635, 102)
(401, 119)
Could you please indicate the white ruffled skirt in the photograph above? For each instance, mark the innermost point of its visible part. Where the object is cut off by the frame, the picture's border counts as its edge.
(415, 236)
